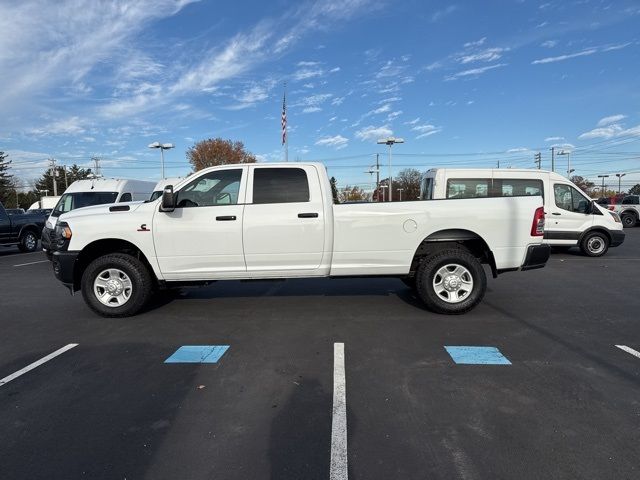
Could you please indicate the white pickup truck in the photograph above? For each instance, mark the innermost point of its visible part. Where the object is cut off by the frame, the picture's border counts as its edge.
(265, 221)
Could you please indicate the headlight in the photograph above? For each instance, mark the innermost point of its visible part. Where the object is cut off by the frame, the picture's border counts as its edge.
(62, 235)
(616, 217)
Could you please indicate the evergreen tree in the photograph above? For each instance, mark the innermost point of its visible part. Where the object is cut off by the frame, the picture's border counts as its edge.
(74, 172)
(6, 180)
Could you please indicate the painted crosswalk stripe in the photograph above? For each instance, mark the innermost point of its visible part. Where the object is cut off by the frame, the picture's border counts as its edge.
(629, 350)
(198, 354)
(468, 355)
(338, 467)
(36, 364)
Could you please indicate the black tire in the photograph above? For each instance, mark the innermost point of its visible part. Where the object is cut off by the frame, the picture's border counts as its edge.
(629, 220)
(428, 272)
(594, 244)
(28, 242)
(136, 272)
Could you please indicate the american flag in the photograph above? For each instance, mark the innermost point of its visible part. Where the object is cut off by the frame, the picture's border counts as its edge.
(284, 118)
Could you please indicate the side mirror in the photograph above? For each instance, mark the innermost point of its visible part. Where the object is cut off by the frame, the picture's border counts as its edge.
(168, 203)
(591, 207)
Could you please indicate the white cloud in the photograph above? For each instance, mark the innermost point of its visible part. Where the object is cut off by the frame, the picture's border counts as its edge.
(433, 66)
(307, 64)
(334, 70)
(603, 132)
(390, 69)
(554, 139)
(583, 53)
(68, 126)
(445, 12)
(306, 73)
(413, 122)
(389, 100)
(313, 100)
(549, 43)
(338, 142)
(383, 109)
(486, 55)
(337, 101)
(426, 130)
(474, 72)
(611, 119)
(518, 150)
(394, 115)
(477, 43)
(371, 133)
(311, 109)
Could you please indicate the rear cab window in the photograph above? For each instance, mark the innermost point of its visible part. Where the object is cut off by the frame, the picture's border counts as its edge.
(280, 185)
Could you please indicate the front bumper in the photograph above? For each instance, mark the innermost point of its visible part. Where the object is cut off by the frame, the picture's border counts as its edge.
(537, 256)
(617, 237)
(64, 266)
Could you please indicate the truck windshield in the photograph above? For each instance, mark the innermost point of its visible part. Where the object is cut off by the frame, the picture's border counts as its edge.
(155, 195)
(71, 201)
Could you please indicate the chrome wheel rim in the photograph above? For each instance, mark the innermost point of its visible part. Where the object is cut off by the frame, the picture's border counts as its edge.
(453, 283)
(112, 287)
(596, 245)
(30, 241)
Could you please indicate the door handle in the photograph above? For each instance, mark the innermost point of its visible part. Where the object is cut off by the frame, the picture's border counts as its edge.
(226, 218)
(556, 213)
(308, 215)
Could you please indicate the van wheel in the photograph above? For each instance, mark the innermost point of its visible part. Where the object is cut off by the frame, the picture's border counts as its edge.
(594, 244)
(451, 282)
(629, 220)
(116, 285)
(28, 242)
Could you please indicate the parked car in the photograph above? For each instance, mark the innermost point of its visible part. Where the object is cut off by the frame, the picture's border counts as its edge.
(14, 211)
(573, 219)
(629, 210)
(95, 191)
(21, 229)
(266, 221)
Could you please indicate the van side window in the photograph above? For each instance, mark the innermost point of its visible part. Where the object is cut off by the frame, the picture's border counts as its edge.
(568, 198)
(220, 187)
(503, 187)
(631, 200)
(426, 188)
(126, 197)
(280, 185)
(468, 187)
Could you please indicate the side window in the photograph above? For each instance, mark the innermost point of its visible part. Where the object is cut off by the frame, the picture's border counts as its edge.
(126, 197)
(426, 188)
(219, 187)
(516, 187)
(631, 200)
(468, 187)
(280, 185)
(568, 198)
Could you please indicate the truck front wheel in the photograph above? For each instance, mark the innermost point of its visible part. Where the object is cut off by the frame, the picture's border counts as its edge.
(116, 285)
(451, 282)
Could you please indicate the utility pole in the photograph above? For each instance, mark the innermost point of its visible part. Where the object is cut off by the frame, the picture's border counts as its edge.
(602, 177)
(498, 163)
(66, 183)
(54, 175)
(17, 199)
(538, 159)
(620, 175)
(553, 159)
(377, 169)
(400, 191)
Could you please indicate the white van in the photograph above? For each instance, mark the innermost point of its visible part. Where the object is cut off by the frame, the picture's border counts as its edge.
(572, 218)
(96, 191)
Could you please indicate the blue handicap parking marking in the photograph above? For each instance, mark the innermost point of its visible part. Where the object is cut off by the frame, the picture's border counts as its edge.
(198, 354)
(477, 355)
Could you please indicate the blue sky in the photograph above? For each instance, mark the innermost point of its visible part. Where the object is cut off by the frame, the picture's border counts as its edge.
(464, 83)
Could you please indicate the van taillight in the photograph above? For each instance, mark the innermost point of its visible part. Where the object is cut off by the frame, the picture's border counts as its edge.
(537, 227)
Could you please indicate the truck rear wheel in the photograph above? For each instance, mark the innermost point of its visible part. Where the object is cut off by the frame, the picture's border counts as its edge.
(451, 282)
(594, 244)
(116, 285)
(28, 242)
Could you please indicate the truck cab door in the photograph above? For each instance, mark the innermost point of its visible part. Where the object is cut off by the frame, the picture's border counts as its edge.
(202, 238)
(5, 226)
(567, 215)
(284, 219)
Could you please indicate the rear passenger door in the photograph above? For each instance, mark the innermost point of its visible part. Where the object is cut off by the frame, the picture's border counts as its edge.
(284, 219)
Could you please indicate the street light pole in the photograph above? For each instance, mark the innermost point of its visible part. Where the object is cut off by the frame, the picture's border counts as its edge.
(568, 154)
(162, 147)
(620, 175)
(602, 177)
(390, 141)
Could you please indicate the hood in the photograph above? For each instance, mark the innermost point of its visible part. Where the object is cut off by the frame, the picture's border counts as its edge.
(104, 209)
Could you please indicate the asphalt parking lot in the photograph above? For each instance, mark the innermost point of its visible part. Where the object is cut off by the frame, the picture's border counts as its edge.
(564, 403)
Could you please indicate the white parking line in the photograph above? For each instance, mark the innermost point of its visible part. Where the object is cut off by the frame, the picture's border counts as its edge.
(630, 350)
(28, 368)
(30, 263)
(338, 468)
